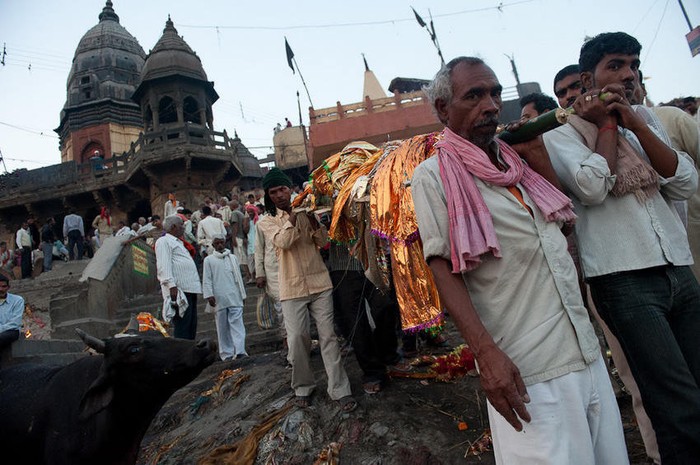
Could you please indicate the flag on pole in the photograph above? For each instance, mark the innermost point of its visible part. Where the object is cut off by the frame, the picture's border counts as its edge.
(290, 54)
(418, 18)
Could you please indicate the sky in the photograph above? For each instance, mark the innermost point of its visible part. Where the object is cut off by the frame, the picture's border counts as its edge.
(241, 45)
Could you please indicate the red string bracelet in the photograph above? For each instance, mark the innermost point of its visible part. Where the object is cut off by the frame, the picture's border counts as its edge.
(607, 128)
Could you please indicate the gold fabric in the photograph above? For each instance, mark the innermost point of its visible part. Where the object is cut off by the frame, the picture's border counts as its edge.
(346, 215)
(393, 218)
(415, 288)
(245, 451)
(391, 204)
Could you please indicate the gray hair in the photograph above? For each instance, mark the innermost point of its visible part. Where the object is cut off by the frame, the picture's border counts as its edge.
(220, 237)
(440, 88)
(171, 221)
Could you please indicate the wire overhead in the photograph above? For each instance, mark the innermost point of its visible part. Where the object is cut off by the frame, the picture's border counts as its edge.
(499, 7)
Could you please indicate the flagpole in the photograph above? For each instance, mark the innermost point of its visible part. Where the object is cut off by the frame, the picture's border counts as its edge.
(296, 65)
(431, 32)
(435, 39)
(301, 123)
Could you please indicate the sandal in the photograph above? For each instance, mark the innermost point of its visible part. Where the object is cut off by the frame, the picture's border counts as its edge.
(302, 401)
(347, 404)
(402, 366)
(372, 387)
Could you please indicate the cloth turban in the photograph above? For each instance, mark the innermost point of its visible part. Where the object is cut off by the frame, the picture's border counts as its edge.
(276, 177)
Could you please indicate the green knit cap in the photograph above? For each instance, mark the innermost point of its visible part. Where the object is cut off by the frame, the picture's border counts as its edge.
(276, 177)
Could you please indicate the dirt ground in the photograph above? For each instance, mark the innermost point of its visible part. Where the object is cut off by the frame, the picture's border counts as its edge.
(411, 422)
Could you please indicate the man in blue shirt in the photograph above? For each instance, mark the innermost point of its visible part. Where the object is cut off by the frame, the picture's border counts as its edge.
(11, 311)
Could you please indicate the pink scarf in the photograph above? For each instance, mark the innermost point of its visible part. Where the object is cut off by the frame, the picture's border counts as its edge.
(471, 226)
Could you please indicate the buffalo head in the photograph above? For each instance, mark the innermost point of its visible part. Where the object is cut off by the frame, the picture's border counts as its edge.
(143, 366)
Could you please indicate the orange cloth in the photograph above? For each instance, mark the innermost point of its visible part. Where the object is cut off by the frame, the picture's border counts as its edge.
(391, 204)
(393, 218)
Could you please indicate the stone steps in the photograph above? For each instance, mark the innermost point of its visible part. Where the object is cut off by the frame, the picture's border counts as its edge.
(46, 351)
(65, 347)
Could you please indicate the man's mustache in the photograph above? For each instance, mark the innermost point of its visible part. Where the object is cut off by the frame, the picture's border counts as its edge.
(490, 121)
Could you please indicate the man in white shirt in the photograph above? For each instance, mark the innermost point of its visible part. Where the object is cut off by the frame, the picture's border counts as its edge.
(24, 244)
(208, 227)
(74, 230)
(11, 312)
(634, 250)
(223, 288)
(124, 230)
(178, 273)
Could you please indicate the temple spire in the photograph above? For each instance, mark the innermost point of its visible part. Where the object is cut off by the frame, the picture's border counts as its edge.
(108, 13)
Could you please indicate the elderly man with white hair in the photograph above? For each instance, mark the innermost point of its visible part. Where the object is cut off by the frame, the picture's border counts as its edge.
(178, 277)
(223, 288)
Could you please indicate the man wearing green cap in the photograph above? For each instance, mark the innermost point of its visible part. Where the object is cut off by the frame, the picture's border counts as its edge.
(305, 288)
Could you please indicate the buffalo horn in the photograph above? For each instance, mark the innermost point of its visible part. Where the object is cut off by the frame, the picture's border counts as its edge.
(91, 341)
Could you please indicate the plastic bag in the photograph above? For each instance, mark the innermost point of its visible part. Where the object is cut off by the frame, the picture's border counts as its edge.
(265, 311)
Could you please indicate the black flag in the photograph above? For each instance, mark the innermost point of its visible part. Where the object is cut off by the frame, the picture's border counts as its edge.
(418, 18)
(290, 54)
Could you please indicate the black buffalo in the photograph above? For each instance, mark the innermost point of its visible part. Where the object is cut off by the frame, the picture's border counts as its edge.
(96, 410)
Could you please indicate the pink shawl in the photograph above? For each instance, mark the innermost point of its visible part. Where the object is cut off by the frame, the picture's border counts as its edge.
(471, 226)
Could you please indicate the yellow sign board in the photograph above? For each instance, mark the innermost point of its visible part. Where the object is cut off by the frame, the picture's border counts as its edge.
(140, 260)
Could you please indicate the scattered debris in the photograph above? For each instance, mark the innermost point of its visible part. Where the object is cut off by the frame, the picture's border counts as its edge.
(330, 455)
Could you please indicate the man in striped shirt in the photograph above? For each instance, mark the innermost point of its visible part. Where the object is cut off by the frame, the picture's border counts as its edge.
(177, 272)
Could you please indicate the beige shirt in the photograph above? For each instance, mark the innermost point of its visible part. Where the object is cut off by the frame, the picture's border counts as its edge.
(684, 132)
(301, 268)
(103, 226)
(266, 262)
(528, 300)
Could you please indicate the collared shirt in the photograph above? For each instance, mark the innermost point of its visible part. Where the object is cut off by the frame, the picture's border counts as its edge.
(684, 133)
(225, 213)
(103, 225)
(620, 233)
(73, 222)
(529, 299)
(175, 266)
(11, 312)
(221, 278)
(301, 268)
(150, 230)
(208, 228)
(266, 261)
(48, 234)
(189, 232)
(23, 239)
(170, 209)
(125, 231)
(237, 217)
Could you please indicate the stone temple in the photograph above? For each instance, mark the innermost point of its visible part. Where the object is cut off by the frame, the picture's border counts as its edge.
(134, 128)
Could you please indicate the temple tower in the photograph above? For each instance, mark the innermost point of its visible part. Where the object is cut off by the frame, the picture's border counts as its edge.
(179, 150)
(99, 118)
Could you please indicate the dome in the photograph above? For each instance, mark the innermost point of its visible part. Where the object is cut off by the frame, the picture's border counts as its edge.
(172, 56)
(107, 63)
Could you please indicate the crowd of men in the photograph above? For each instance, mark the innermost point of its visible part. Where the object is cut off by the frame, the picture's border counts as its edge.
(489, 216)
(619, 179)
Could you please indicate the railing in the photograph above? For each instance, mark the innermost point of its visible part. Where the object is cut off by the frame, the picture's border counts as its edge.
(109, 169)
(185, 134)
(409, 99)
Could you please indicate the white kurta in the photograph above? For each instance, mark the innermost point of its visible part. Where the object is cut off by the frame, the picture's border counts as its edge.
(222, 280)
